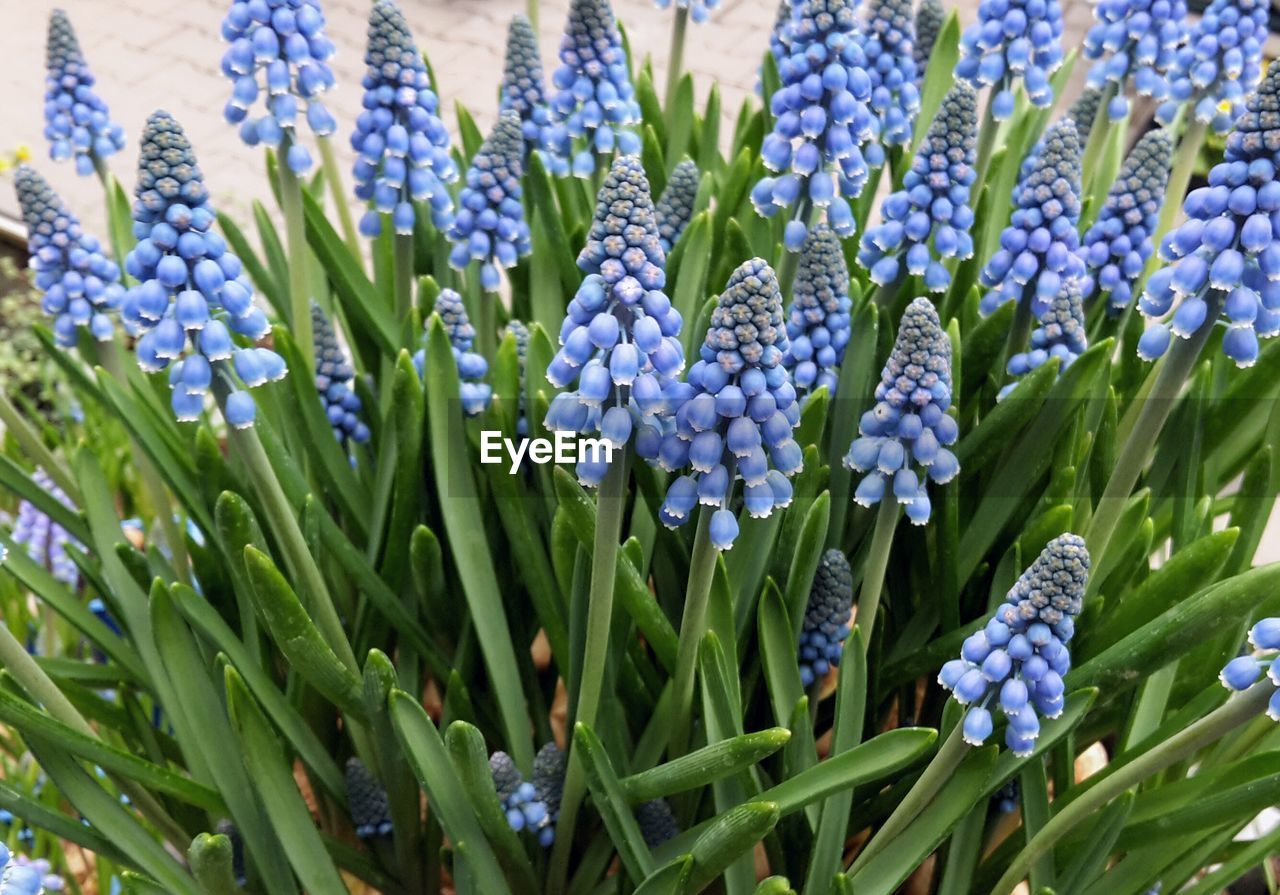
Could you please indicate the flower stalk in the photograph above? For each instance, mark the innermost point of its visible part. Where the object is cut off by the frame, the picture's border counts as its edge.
(333, 177)
(296, 240)
(873, 570)
(675, 64)
(693, 624)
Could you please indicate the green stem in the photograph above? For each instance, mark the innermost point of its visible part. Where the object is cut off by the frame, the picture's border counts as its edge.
(1184, 163)
(531, 12)
(333, 177)
(1099, 137)
(1238, 710)
(1020, 330)
(876, 563)
(693, 624)
(114, 232)
(34, 447)
(296, 240)
(676, 59)
(986, 137)
(486, 325)
(403, 245)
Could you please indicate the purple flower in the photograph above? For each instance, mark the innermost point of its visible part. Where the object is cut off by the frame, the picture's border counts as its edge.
(930, 16)
(1243, 671)
(699, 10)
(47, 541)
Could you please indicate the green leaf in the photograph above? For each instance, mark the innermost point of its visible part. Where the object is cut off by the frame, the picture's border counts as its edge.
(709, 142)
(212, 861)
(277, 260)
(778, 652)
(611, 801)
(38, 816)
(668, 879)
(471, 137)
(262, 278)
(690, 286)
(804, 563)
(680, 127)
(1089, 860)
(984, 442)
(538, 184)
(730, 836)
(705, 765)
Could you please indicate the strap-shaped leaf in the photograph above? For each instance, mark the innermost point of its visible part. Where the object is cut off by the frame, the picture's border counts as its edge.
(728, 838)
(611, 801)
(212, 861)
(705, 765)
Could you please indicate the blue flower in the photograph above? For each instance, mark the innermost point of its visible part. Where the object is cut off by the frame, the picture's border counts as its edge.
(909, 426)
(780, 36)
(888, 42)
(1012, 39)
(1226, 258)
(524, 92)
(521, 334)
(76, 120)
(1020, 658)
(821, 120)
(47, 541)
(930, 16)
(736, 424)
(826, 618)
(23, 876)
(80, 284)
(1038, 250)
(1219, 65)
(594, 98)
(1134, 39)
(1060, 334)
(1084, 111)
(334, 375)
(549, 768)
(657, 823)
(402, 145)
(367, 801)
(619, 341)
(1116, 247)
(474, 392)
(519, 798)
(928, 220)
(818, 319)
(490, 225)
(675, 208)
(286, 44)
(1243, 671)
(699, 10)
(192, 293)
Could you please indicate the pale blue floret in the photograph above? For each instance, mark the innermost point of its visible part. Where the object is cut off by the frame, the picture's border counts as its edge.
(1060, 334)
(1012, 40)
(1219, 65)
(818, 319)
(888, 43)
(1243, 672)
(46, 541)
(334, 378)
(473, 391)
(76, 120)
(519, 799)
(1134, 41)
(699, 10)
(20, 875)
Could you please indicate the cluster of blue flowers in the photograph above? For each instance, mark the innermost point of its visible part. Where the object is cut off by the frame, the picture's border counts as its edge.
(520, 333)
(1012, 39)
(1039, 249)
(549, 768)
(45, 540)
(1060, 334)
(192, 292)
(284, 41)
(909, 426)
(1084, 111)
(519, 799)
(675, 208)
(20, 875)
(367, 801)
(524, 92)
(1243, 671)
(619, 340)
(737, 422)
(826, 617)
(930, 16)
(1219, 65)
(1020, 658)
(657, 823)
(1226, 256)
(594, 98)
(1134, 39)
(821, 120)
(818, 319)
(474, 392)
(76, 120)
(780, 36)
(334, 374)
(490, 227)
(888, 42)
(928, 220)
(699, 10)
(80, 285)
(402, 146)
(1117, 245)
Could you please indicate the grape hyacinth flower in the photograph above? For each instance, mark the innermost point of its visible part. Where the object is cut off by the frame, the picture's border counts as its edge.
(1084, 112)
(594, 98)
(909, 427)
(334, 375)
(821, 121)
(519, 798)
(1060, 334)
(1241, 672)
(524, 92)
(657, 823)
(888, 42)
(826, 618)
(1020, 658)
(367, 801)
(1013, 39)
(549, 768)
(1039, 248)
(699, 10)
(1226, 257)
(490, 226)
(675, 208)
(285, 43)
(1134, 39)
(1219, 65)
(1117, 245)
(930, 16)
(80, 285)
(928, 220)
(20, 875)
(738, 421)
(780, 36)
(46, 541)
(76, 120)
(474, 392)
(520, 333)
(192, 293)
(402, 146)
(620, 339)
(818, 319)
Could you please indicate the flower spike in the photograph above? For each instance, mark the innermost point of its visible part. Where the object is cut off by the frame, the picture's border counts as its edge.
(520, 333)
(657, 823)
(524, 88)
(47, 541)
(370, 811)
(549, 768)
(1243, 671)
(826, 618)
(699, 10)
(76, 120)
(1061, 334)
(1084, 112)
(473, 391)
(888, 41)
(818, 320)
(334, 375)
(1134, 39)
(519, 798)
(1013, 39)
(675, 208)
(930, 16)
(1219, 65)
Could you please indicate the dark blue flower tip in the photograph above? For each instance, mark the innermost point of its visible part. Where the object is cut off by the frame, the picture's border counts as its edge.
(278, 53)
(675, 208)
(77, 123)
(1013, 39)
(888, 43)
(594, 103)
(334, 377)
(402, 146)
(657, 823)
(928, 220)
(490, 227)
(699, 10)
(226, 828)
(1059, 335)
(1219, 65)
(79, 285)
(474, 392)
(826, 617)
(818, 319)
(520, 802)
(822, 120)
(549, 768)
(1117, 246)
(1039, 249)
(1084, 111)
(524, 92)
(902, 441)
(1134, 42)
(780, 35)
(366, 802)
(1017, 662)
(44, 540)
(930, 16)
